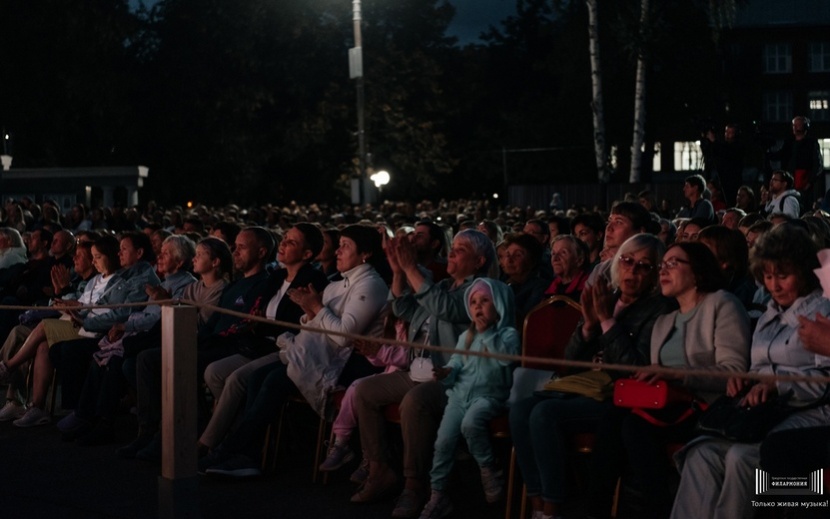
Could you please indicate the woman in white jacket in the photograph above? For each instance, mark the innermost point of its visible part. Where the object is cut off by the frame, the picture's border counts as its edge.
(310, 362)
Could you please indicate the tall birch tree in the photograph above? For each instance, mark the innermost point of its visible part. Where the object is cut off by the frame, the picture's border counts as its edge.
(600, 149)
(639, 99)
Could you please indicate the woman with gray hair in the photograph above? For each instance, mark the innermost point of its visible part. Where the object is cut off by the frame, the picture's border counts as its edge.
(91, 422)
(437, 315)
(616, 328)
(12, 248)
(569, 257)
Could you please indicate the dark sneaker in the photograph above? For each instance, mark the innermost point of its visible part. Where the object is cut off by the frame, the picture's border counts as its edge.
(72, 422)
(338, 456)
(438, 506)
(493, 482)
(152, 452)
(210, 460)
(130, 450)
(239, 466)
(409, 504)
(359, 476)
(376, 487)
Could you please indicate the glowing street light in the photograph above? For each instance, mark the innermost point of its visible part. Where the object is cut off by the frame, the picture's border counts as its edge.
(381, 178)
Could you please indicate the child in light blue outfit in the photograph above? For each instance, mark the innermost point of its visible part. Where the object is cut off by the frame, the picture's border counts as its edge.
(478, 391)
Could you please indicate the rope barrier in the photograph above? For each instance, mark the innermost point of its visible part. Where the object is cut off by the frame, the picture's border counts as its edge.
(666, 372)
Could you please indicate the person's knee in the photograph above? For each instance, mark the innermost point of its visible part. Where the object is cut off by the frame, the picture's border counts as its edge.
(419, 401)
(410, 406)
(519, 416)
(474, 425)
(42, 349)
(542, 418)
(445, 445)
(702, 458)
(737, 458)
(214, 377)
(363, 396)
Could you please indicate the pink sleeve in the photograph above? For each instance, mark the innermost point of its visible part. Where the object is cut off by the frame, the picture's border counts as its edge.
(390, 355)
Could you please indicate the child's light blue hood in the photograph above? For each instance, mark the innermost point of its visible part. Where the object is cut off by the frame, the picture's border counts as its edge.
(502, 300)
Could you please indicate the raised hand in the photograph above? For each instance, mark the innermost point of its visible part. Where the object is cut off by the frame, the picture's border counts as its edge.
(815, 334)
(60, 278)
(604, 301)
(391, 249)
(405, 254)
(307, 298)
(589, 316)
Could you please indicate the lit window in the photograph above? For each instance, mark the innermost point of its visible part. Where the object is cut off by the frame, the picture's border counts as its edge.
(778, 59)
(820, 57)
(778, 106)
(819, 105)
(655, 163)
(687, 156)
(824, 144)
(655, 159)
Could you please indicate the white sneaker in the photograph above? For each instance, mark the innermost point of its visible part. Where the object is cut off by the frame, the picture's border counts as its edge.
(34, 416)
(11, 411)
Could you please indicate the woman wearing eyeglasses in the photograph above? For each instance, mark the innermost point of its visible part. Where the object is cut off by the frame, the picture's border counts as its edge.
(616, 328)
(709, 330)
(717, 474)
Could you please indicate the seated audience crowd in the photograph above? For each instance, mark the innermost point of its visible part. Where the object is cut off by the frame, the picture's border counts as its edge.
(697, 302)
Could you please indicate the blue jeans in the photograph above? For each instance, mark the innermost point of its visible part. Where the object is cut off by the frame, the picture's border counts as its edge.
(471, 419)
(540, 428)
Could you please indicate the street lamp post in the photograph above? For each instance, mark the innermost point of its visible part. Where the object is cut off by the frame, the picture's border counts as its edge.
(356, 73)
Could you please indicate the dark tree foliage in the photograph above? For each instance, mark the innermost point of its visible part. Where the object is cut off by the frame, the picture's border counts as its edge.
(66, 71)
(250, 101)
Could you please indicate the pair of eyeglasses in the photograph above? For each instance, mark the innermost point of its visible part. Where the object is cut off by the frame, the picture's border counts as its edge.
(639, 267)
(671, 264)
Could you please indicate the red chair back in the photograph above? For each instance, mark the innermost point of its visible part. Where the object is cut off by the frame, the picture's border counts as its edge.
(547, 329)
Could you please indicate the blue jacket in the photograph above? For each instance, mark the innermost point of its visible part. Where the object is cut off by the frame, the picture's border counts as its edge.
(126, 287)
(473, 376)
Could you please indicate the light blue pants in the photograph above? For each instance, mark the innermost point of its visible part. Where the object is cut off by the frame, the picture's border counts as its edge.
(472, 419)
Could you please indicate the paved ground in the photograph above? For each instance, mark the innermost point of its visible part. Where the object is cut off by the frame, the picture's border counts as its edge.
(45, 477)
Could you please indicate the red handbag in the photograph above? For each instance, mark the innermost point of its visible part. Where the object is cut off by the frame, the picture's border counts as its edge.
(641, 396)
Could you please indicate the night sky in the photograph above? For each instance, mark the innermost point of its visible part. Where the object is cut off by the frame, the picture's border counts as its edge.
(472, 17)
